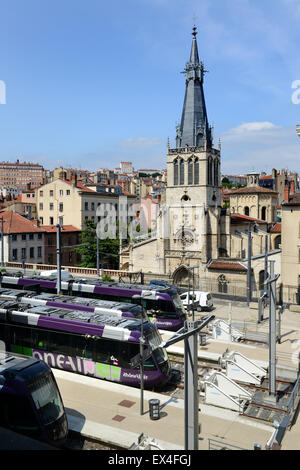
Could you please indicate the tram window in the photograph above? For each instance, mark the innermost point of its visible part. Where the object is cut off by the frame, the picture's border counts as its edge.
(102, 351)
(21, 336)
(59, 343)
(16, 413)
(40, 339)
(161, 307)
(81, 346)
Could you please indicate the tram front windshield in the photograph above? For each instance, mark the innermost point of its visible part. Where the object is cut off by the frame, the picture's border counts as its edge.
(46, 398)
(155, 340)
(178, 303)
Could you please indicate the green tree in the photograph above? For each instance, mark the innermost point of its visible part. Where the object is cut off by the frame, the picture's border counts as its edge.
(108, 248)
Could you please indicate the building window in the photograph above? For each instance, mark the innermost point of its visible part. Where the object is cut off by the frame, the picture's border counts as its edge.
(61, 207)
(51, 193)
(23, 236)
(263, 213)
(196, 171)
(27, 195)
(14, 237)
(190, 171)
(61, 192)
(181, 172)
(39, 252)
(41, 206)
(176, 173)
(86, 206)
(41, 220)
(41, 193)
(31, 252)
(15, 254)
(51, 206)
(68, 192)
(61, 221)
(92, 206)
(23, 253)
(31, 236)
(51, 221)
(246, 211)
(40, 235)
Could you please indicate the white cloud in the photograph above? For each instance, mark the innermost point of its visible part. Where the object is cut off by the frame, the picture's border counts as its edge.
(260, 146)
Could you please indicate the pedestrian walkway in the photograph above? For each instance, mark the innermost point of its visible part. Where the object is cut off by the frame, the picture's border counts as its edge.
(111, 413)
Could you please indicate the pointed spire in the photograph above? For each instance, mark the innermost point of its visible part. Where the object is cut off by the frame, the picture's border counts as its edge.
(194, 57)
(194, 130)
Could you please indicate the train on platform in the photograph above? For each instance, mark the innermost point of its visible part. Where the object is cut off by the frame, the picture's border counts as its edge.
(30, 401)
(165, 303)
(120, 309)
(93, 344)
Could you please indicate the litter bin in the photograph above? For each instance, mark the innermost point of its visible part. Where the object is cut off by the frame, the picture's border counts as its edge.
(202, 339)
(154, 408)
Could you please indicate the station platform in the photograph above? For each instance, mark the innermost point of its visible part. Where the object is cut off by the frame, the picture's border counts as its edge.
(111, 412)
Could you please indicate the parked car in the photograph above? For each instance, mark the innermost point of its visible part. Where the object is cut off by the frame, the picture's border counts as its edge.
(201, 300)
(160, 283)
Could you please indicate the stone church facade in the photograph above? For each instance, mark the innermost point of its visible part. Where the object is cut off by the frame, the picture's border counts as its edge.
(192, 238)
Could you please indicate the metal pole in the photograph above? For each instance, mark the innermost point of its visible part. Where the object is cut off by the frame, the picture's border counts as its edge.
(2, 244)
(193, 316)
(189, 294)
(58, 257)
(266, 257)
(98, 256)
(249, 267)
(142, 342)
(191, 395)
(272, 332)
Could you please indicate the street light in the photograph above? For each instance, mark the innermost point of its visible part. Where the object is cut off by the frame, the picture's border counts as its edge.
(192, 269)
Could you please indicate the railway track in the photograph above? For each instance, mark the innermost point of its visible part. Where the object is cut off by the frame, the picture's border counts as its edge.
(257, 407)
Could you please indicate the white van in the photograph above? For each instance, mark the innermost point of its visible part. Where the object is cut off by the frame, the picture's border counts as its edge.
(201, 300)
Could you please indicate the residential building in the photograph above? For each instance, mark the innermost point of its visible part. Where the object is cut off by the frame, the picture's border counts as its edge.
(69, 202)
(21, 174)
(69, 240)
(23, 239)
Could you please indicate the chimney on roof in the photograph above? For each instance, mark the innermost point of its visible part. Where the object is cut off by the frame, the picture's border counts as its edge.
(36, 222)
(292, 187)
(274, 173)
(74, 179)
(286, 193)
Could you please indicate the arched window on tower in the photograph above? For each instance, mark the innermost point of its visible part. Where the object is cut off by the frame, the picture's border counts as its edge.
(190, 171)
(181, 172)
(216, 173)
(196, 171)
(246, 211)
(209, 171)
(175, 172)
(263, 213)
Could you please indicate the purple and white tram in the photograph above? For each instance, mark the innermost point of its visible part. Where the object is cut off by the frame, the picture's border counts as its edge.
(93, 344)
(164, 302)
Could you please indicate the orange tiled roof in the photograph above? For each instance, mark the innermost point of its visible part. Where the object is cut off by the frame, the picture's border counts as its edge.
(276, 228)
(227, 265)
(244, 218)
(252, 190)
(64, 228)
(15, 223)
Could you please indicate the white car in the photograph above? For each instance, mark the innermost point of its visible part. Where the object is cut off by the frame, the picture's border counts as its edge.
(201, 300)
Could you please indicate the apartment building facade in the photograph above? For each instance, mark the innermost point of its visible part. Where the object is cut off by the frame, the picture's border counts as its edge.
(23, 240)
(68, 202)
(21, 174)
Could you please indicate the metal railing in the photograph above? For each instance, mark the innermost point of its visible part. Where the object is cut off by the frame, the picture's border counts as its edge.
(213, 444)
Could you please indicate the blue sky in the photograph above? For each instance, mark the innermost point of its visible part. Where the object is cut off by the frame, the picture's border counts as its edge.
(92, 83)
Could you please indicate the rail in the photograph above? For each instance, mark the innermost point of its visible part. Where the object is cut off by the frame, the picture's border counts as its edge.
(76, 270)
(213, 444)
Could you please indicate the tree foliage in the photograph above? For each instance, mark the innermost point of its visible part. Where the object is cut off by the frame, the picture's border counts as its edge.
(108, 248)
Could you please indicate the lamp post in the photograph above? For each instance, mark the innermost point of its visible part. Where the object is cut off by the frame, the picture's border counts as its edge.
(2, 242)
(58, 258)
(193, 307)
